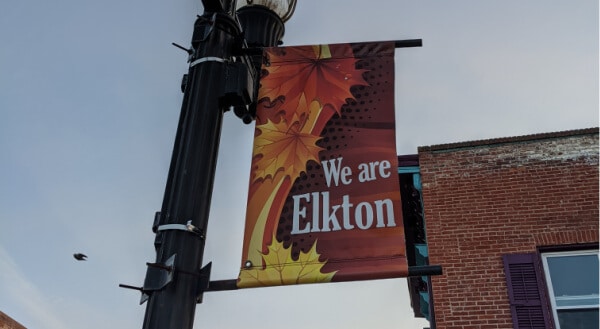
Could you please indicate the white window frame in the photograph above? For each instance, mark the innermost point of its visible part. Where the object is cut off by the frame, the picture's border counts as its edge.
(550, 287)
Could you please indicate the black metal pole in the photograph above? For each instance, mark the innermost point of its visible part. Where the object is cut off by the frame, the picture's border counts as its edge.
(173, 283)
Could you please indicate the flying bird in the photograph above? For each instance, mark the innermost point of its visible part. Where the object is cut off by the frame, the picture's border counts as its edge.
(80, 256)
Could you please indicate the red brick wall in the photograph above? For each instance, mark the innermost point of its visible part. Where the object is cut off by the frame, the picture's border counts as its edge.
(6, 322)
(486, 199)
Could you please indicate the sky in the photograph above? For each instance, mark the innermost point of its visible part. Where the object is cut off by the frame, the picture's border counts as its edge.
(89, 102)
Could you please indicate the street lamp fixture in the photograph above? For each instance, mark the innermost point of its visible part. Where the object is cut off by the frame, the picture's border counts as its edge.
(262, 25)
(283, 8)
(262, 20)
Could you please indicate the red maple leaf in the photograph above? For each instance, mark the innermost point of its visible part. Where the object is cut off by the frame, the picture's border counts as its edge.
(323, 73)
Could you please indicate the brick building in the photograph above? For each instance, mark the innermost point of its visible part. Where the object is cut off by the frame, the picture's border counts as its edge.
(514, 224)
(6, 322)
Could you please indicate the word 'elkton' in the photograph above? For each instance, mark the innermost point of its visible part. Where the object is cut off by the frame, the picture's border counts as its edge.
(362, 215)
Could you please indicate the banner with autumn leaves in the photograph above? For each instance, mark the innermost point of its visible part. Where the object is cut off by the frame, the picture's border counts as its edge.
(324, 200)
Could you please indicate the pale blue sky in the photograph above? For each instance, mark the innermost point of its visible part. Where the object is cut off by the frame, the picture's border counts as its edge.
(89, 101)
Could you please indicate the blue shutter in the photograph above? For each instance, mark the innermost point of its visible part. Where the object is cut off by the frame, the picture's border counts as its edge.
(527, 292)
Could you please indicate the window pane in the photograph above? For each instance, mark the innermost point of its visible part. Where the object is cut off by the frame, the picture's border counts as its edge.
(578, 319)
(567, 302)
(574, 276)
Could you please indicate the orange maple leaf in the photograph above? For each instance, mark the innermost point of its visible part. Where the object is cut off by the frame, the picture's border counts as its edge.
(323, 73)
(284, 147)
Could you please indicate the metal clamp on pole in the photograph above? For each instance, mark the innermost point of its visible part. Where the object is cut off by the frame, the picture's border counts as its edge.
(188, 227)
(208, 59)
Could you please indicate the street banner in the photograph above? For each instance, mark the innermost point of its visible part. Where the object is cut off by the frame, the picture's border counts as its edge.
(324, 198)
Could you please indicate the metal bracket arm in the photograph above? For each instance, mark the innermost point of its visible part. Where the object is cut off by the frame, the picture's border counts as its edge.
(158, 276)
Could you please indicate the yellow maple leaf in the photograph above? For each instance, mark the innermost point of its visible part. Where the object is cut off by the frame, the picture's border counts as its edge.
(281, 269)
(284, 147)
